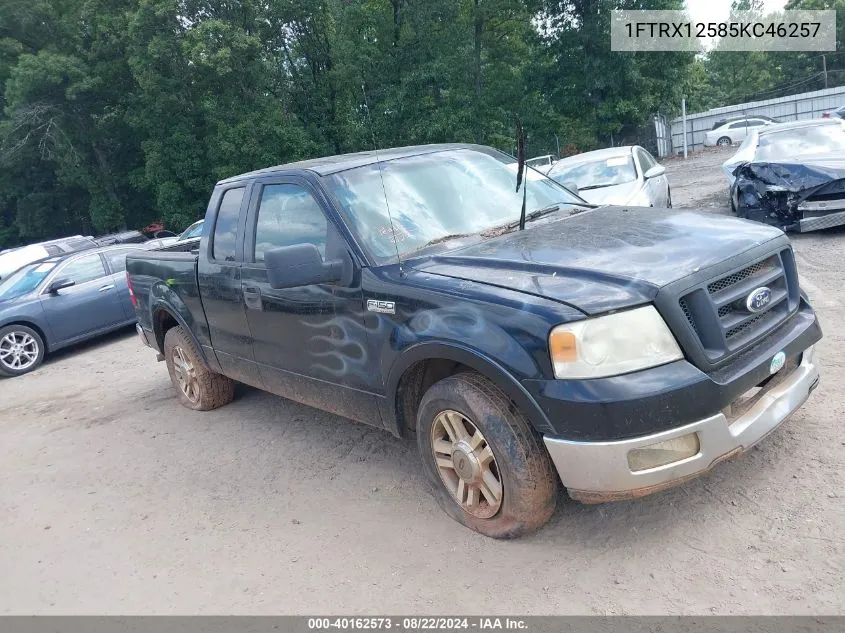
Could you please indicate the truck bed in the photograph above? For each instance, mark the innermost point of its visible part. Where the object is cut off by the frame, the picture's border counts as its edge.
(167, 275)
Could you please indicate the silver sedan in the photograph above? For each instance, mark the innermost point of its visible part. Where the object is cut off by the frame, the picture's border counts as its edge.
(618, 175)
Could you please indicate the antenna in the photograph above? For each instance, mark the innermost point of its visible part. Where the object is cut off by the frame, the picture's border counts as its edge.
(381, 177)
(520, 169)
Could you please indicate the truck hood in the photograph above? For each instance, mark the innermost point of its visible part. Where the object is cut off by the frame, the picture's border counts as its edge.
(604, 259)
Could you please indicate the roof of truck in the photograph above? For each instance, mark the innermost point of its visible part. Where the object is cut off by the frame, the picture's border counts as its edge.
(333, 164)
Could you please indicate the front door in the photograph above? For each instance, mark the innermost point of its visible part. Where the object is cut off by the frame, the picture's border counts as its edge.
(308, 341)
(90, 305)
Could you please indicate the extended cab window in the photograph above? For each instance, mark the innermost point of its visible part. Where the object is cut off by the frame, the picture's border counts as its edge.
(83, 270)
(289, 215)
(224, 246)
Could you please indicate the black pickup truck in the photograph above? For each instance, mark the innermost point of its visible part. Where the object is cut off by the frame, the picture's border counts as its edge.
(621, 349)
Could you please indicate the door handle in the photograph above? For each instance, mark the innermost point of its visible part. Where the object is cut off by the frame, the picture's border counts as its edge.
(252, 297)
(108, 287)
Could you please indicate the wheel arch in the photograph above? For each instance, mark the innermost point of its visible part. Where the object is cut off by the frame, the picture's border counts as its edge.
(422, 365)
(166, 318)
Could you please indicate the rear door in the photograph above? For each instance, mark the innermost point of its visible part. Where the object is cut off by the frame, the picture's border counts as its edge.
(219, 280)
(90, 305)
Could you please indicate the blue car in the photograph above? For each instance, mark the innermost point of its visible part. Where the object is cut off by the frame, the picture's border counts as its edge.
(59, 301)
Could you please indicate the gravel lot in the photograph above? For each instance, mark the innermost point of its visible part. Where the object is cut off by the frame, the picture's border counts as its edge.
(115, 499)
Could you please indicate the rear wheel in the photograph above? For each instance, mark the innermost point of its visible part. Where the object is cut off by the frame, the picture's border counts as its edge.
(488, 468)
(197, 386)
(21, 350)
(724, 141)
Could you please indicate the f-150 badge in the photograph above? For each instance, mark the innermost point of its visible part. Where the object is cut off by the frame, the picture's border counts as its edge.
(385, 307)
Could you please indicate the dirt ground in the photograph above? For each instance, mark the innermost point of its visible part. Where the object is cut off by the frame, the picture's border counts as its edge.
(115, 499)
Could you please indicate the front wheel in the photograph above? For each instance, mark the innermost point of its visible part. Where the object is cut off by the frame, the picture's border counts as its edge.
(197, 386)
(21, 350)
(488, 467)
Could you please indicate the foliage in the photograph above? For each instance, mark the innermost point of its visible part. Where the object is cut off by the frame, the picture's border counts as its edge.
(116, 113)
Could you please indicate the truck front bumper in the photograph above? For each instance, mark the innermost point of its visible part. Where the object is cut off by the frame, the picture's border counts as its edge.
(594, 472)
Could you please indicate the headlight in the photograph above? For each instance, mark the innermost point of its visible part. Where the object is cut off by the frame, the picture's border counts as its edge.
(613, 344)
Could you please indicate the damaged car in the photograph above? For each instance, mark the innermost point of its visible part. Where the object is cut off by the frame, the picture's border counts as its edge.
(791, 175)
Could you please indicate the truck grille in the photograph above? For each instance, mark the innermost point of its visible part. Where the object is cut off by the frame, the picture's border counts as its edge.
(716, 310)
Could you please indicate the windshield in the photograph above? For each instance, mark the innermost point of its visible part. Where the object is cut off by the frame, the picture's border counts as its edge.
(817, 139)
(432, 196)
(616, 170)
(195, 230)
(25, 280)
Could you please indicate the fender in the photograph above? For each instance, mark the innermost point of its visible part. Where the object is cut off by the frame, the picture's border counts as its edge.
(161, 305)
(481, 363)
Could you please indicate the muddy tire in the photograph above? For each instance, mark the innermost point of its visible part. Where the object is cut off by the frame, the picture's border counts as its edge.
(196, 385)
(474, 443)
(21, 350)
(724, 141)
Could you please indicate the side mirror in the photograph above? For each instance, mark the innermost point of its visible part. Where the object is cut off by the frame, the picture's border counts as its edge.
(300, 265)
(60, 284)
(654, 172)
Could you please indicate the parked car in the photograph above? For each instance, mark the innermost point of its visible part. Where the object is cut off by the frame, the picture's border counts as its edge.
(192, 232)
(123, 237)
(733, 132)
(733, 119)
(541, 163)
(839, 113)
(159, 242)
(618, 175)
(15, 258)
(55, 302)
(791, 175)
(627, 349)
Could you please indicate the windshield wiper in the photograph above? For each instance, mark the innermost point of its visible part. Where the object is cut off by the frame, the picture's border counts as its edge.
(440, 240)
(607, 184)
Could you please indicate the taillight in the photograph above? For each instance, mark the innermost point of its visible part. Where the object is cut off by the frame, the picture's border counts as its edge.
(132, 296)
(826, 115)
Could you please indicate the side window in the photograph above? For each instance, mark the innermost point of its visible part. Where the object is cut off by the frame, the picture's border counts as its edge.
(83, 270)
(739, 124)
(289, 215)
(755, 123)
(117, 260)
(224, 246)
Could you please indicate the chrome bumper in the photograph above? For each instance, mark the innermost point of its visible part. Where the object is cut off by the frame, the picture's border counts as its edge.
(142, 334)
(595, 472)
(821, 222)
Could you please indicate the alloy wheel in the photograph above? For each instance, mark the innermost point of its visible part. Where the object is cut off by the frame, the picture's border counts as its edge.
(18, 351)
(466, 464)
(186, 374)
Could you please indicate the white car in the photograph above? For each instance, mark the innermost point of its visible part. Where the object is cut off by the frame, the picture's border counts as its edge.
(541, 163)
(619, 175)
(735, 131)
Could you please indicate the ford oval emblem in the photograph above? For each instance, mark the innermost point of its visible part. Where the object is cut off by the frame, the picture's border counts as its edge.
(758, 299)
